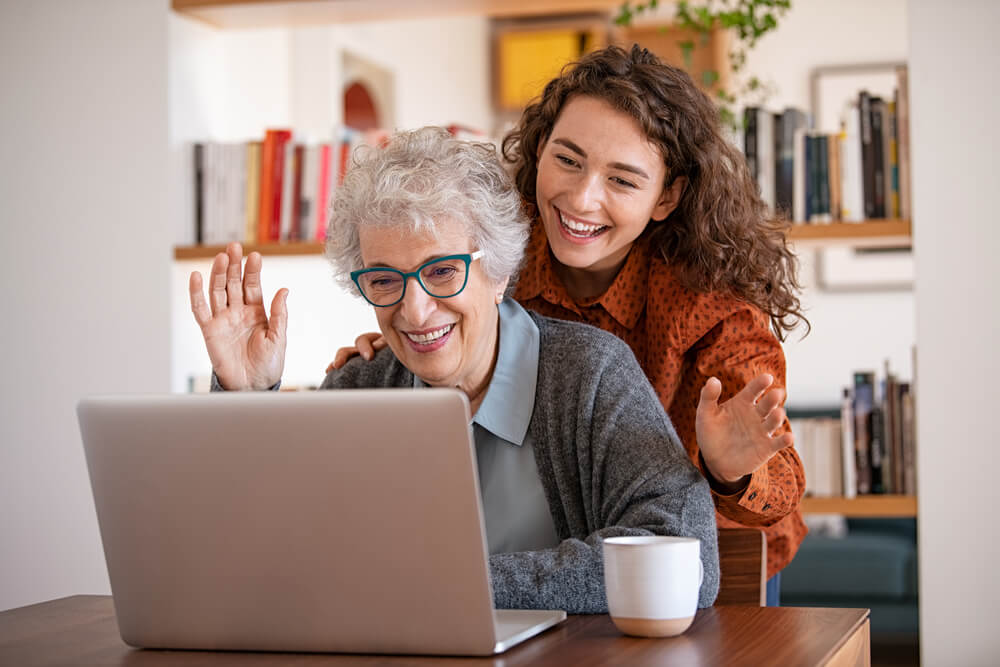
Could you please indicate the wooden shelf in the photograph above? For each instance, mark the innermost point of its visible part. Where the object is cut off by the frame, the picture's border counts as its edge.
(878, 232)
(277, 13)
(266, 249)
(863, 506)
(869, 233)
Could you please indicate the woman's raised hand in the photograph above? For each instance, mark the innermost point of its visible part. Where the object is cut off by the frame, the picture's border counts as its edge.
(366, 345)
(247, 350)
(740, 435)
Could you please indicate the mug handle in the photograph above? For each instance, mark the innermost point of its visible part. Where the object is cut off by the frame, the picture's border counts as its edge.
(701, 572)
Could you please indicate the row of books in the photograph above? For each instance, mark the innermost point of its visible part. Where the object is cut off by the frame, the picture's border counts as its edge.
(858, 173)
(275, 189)
(870, 448)
(268, 190)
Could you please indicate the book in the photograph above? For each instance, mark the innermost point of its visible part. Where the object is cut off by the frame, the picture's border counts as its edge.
(864, 402)
(878, 155)
(822, 213)
(903, 140)
(834, 176)
(250, 208)
(810, 167)
(750, 139)
(765, 156)
(298, 153)
(867, 154)
(800, 175)
(786, 144)
(199, 192)
(892, 161)
(285, 207)
(272, 169)
(326, 177)
(852, 204)
(909, 444)
(847, 452)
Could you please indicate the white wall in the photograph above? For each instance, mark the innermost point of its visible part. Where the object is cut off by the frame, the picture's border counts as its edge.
(851, 330)
(84, 264)
(953, 55)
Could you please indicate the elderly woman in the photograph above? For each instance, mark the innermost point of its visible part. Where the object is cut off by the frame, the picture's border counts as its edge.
(572, 443)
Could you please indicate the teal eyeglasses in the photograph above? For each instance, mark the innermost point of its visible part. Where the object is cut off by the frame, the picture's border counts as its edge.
(441, 278)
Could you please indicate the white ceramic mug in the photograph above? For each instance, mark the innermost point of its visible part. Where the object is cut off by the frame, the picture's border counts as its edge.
(652, 583)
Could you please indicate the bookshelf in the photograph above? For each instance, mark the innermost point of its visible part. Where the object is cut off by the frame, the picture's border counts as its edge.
(860, 234)
(866, 506)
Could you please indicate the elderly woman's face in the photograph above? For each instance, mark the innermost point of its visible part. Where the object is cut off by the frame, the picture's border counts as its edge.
(448, 342)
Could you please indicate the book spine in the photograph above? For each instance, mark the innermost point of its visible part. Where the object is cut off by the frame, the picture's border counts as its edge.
(765, 156)
(277, 182)
(878, 160)
(903, 140)
(833, 171)
(265, 203)
(800, 176)
(323, 191)
(848, 457)
(296, 224)
(823, 177)
(811, 212)
(199, 193)
(750, 140)
(893, 153)
(867, 153)
(863, 404)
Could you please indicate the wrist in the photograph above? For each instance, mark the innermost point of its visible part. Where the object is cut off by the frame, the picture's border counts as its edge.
(721, 486)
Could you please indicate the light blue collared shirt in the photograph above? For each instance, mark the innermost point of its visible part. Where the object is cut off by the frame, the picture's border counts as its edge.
(514, 506)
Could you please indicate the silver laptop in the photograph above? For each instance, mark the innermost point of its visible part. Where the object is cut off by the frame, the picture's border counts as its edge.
(342, 521)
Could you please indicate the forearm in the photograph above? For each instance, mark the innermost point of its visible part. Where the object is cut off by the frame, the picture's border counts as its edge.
(571, 576)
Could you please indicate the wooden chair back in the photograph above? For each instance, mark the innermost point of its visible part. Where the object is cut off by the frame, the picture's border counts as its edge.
(743, 566)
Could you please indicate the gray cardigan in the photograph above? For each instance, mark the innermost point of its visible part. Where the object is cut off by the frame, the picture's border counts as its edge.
(609, 460)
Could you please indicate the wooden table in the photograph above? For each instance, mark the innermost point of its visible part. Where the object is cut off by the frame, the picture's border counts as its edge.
(82, 630)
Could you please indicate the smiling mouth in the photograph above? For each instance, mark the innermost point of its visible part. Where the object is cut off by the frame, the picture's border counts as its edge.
(579, 229)
(429, 337)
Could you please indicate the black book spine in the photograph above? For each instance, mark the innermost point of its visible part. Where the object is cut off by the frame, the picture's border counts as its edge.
(199, 195)
(750, 139)
(867, 154)
(878, 113)
(823, 177)
(809, 155)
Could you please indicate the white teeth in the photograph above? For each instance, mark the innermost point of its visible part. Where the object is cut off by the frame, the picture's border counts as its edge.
(430, 336)
(579, 228)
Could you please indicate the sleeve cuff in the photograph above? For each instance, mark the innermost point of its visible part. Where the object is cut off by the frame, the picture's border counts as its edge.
(217, 386)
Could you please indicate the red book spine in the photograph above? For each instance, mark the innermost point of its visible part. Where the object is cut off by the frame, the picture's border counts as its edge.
(297, 155)
(277, 176)
(323, 195)
(264, 197)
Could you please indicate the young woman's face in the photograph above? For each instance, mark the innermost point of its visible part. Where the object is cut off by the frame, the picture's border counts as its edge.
(600, 181)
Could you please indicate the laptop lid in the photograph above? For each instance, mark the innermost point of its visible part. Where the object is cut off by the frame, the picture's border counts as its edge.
(345, 521)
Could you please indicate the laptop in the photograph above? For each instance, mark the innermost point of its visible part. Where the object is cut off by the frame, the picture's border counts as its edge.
(328, 521)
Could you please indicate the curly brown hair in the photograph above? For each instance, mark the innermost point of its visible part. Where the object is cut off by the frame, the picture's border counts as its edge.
(721, 236)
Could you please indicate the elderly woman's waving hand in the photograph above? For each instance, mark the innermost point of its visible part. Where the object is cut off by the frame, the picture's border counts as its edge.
(247, 350)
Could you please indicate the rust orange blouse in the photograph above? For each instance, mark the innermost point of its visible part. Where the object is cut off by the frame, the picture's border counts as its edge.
(681, 338)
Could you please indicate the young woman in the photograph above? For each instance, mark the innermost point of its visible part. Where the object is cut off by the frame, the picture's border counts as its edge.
(648, 224)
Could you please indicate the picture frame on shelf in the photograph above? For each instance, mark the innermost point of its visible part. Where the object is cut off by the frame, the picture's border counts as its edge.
(844, 268)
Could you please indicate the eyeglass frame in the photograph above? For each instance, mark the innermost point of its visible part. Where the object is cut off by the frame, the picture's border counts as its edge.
(468, 258)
